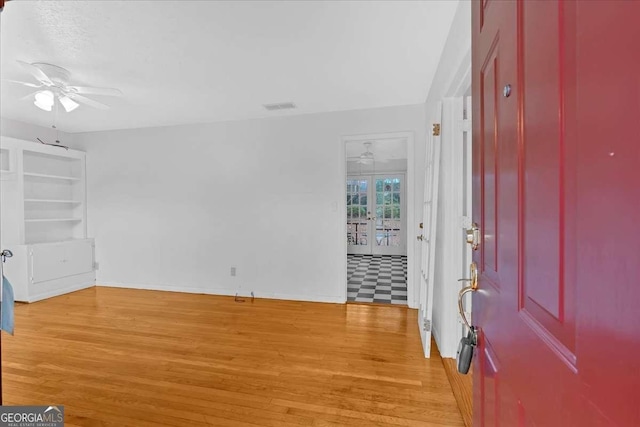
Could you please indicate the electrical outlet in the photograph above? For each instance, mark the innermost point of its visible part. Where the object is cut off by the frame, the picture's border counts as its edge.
(233, 271)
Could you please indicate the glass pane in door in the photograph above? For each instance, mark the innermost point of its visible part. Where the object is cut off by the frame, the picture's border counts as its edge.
(388, 212)
(357, 212)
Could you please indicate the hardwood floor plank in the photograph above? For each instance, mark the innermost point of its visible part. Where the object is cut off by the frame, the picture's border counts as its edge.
(120, 357)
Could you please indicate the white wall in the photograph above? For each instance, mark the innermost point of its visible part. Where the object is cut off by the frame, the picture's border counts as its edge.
(176, 207)
(451, 78)
(29, 132)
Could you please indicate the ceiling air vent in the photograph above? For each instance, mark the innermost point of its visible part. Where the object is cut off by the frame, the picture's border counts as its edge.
(280, 106)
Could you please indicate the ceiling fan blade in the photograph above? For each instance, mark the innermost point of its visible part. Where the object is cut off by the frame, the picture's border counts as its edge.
(36, 72)
(86, 101)
(107, 91)
(22, 83)
(29, 97)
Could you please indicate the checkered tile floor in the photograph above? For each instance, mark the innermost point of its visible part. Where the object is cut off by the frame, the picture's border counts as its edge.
(377, 278)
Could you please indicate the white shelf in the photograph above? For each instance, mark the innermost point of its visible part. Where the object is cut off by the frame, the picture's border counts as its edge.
(72, 202)
(53, 220)
(41, 175)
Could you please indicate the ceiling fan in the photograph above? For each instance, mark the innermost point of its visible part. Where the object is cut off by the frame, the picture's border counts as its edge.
(367, 157)
(53, 84)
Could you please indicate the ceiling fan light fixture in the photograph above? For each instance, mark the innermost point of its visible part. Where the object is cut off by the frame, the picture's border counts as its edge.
(55, 80)
(366, 158)
(68, 104)
(44, 100)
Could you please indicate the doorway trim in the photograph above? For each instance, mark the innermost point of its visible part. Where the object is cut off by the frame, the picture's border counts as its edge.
(412, 301)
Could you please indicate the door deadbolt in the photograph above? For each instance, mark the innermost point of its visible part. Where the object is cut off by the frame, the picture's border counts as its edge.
(473, 236)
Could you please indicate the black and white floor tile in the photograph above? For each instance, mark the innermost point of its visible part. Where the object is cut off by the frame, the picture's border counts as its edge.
(377, 278)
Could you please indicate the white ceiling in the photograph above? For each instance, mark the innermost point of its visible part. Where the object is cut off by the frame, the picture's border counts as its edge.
(183, 62)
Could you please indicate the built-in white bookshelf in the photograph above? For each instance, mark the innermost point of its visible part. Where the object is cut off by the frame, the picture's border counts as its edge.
(53, 194)
(44, 218)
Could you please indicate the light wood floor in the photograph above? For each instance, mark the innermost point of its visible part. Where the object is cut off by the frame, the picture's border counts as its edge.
(122, 357)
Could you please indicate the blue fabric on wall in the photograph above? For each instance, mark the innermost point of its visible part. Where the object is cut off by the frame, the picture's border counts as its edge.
(6, 309)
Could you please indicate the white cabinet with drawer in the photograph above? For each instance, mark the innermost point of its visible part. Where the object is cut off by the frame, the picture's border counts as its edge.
(45, 270)
(54, 260)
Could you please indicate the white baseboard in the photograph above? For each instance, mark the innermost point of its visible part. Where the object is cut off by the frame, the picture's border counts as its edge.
(445, 353)
(61, 291)
(436, 337)
(224, 291)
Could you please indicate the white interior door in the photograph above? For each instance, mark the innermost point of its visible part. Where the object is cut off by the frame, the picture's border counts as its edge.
(376, 215)
(388, 197)
(359, 215)
(429, 220)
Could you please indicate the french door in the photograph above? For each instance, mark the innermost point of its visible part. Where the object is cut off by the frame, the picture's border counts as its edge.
(376, 215)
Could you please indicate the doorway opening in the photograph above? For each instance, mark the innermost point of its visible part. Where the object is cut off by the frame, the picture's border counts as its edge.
(376, 218)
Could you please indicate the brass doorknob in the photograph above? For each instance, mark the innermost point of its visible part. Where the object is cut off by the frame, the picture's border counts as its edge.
(473, 269)
(473, 280)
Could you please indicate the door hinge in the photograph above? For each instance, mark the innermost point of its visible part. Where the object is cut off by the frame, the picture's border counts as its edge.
(436, 129)
(427, 325)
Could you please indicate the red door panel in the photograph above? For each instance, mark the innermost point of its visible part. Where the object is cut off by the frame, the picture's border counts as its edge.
(608, 205)
(490, 385)
(489, 90)
(495, 181)
(541, 95)
(546, 73)
(556, 177)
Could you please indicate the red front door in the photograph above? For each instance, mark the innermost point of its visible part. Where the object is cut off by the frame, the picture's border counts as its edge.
(556, 94)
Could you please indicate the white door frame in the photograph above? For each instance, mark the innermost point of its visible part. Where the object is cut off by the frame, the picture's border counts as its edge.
(410, 207)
